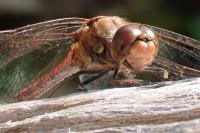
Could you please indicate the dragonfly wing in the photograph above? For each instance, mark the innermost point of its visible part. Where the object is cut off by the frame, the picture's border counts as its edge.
(16, 43)
(176, 70)
(25, 71)
(178, 54)
(38, 50)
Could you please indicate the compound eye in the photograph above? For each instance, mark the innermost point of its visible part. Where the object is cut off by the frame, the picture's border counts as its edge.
(122, 41)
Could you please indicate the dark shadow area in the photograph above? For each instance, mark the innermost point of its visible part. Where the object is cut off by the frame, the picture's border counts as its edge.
(180, 16)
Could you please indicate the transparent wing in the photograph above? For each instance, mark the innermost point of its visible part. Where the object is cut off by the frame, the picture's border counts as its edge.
(178, 54)
(16, 43)
(29, 53)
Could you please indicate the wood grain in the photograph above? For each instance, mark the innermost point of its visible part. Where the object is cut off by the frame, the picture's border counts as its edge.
(164, 107)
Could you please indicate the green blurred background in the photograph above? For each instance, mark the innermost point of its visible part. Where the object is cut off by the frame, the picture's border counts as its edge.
(180, 16)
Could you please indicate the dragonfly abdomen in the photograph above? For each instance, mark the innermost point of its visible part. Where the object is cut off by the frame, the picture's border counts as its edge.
(69, 66)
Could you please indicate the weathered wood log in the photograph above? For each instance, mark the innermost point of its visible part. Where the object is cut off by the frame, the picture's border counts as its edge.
(164, 107)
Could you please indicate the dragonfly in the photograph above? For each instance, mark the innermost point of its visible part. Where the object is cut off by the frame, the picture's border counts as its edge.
(37, 58)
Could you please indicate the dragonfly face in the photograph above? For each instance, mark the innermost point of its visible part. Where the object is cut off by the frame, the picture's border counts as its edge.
(75, 46)
(134, 44)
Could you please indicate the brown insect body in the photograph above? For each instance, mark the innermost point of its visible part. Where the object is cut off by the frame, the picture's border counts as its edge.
(105, 44)
(98, 45)
(94, 42)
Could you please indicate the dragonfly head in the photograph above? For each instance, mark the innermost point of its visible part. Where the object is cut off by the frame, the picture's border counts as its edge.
(134, 45)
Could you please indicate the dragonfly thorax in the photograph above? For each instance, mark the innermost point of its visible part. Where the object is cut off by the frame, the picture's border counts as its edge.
(95, 40)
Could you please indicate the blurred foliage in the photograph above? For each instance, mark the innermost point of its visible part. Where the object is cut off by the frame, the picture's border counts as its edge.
(180, 16)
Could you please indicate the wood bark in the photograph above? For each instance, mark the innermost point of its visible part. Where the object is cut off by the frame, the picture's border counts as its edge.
(165, 107)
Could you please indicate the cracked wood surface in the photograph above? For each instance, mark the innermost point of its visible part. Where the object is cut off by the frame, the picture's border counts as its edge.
(164, 107)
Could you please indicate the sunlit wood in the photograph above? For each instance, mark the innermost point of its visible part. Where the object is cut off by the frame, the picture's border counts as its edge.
(165, 107)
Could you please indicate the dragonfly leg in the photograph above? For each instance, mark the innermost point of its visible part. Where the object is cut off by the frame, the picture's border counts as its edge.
(134, 82)
(84, 83)
(161, 72)
(127, 80)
